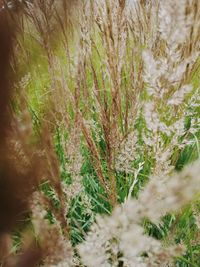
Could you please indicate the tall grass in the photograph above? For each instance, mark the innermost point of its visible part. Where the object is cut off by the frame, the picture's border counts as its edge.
(106, 103)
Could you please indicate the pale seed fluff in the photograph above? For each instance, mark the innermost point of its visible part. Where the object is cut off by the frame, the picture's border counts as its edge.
(174, 24)
(127, 154)
(57, 250)
(121, 235)
(179, 95)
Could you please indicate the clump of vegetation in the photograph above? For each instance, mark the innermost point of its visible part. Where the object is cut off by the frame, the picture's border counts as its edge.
(99, 122)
